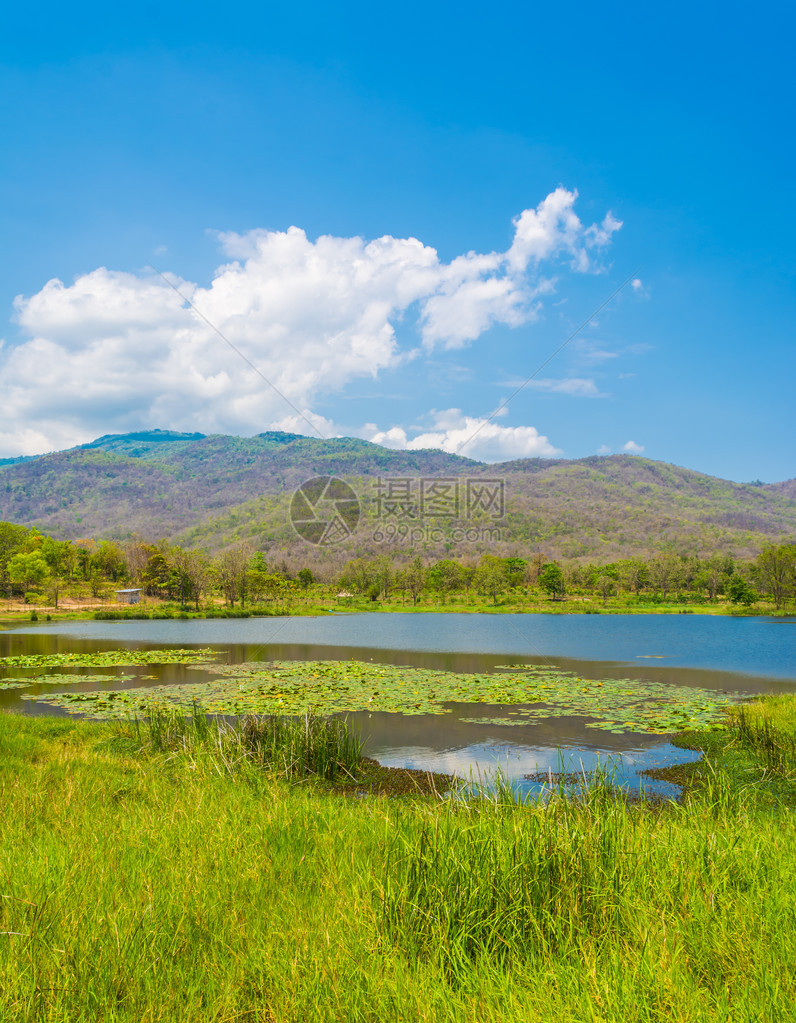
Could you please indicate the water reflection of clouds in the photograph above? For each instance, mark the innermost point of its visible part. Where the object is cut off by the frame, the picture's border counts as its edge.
(479, 763)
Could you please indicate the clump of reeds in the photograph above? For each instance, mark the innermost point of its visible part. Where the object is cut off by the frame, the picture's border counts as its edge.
(491, 879)
(773, 748)
(289, 747)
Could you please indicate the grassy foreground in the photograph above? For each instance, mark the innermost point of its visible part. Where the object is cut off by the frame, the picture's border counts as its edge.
(187, 876)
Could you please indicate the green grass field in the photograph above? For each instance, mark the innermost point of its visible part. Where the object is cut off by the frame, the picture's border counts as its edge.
(178, 874)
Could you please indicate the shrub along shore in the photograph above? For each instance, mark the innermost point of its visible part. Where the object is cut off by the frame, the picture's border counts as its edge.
(186, 871)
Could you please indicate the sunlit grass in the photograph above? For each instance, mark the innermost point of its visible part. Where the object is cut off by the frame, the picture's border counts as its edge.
(287, 747)
(766, 730)
(146, 877)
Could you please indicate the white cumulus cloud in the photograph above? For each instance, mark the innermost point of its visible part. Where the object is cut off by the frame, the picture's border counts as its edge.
(632, 448)
(472, 437)
(116, 351)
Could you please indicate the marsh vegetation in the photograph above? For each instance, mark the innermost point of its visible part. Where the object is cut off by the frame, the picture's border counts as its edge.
(187, 870)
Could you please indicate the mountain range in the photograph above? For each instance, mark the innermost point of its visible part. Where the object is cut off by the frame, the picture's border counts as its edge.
(213, 491)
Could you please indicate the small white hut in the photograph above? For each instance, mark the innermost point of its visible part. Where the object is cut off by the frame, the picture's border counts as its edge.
(128, 596)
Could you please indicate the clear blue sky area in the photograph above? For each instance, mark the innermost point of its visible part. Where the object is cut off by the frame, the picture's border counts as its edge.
(142, 136)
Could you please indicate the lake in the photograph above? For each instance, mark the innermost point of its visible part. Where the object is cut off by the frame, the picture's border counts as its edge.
(724, 655)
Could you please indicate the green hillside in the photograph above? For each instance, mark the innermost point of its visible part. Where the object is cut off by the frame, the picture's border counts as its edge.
(216, 490)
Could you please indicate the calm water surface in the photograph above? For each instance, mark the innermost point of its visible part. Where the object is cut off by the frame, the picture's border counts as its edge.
(743, 655)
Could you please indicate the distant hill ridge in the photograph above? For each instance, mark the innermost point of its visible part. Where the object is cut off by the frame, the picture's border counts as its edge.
(215, 490)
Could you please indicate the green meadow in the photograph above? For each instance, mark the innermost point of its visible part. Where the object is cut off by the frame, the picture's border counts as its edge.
(182, 870)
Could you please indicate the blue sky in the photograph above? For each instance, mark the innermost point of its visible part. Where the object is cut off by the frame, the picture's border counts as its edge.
(192, 138)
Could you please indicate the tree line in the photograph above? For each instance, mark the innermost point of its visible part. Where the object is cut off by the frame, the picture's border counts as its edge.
(772, 575)
(36, 566)
(33, 565)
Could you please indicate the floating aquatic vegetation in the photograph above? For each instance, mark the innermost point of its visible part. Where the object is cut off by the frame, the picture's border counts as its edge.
(499, 721)
(14, 683)
(59, 679)
(107, 658)
(330, 687)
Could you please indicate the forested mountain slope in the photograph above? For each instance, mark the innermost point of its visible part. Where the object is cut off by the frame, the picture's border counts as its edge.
(215, 490)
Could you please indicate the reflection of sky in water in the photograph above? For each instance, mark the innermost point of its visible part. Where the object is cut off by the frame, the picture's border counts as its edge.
(477, 762)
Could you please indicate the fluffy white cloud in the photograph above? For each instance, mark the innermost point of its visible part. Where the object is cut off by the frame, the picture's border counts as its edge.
(118, 351)
(632, 448)
(456, 433)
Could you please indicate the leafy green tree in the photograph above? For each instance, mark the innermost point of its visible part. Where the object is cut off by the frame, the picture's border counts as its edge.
(190, 574)
(305, 578)
(257, 576)
(740, 592)
(83, 551)
(136, 555)
(633, 574)
(232, 568)
(776, 568)
(664, 572)
(551, 579)
(358, 575)
(383, 575)
(516, 571)
(446, 577)
(12, 540)
(714, 575)
(412, 578)
(156, 577)
(28, 570)
(58, 554)
(490, 577)
(96, 583)
(606, 582)
(108, 560)
(277, 587)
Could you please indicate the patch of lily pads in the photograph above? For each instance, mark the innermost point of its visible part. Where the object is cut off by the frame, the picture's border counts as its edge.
(107, 658)
(59, 679)
(331, 687)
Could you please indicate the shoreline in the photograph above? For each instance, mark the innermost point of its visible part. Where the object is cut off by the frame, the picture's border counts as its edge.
(98, 612)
